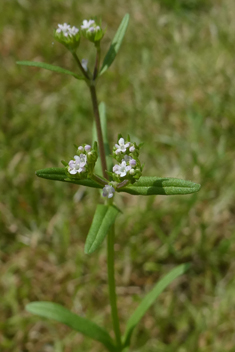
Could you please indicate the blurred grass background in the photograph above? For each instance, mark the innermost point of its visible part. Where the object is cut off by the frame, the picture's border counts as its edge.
(172, 87)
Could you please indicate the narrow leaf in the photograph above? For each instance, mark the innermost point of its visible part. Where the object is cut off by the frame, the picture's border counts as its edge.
(115, 45)
(61, 314)
(150, 298)
(49, 67)
(157, 185)
(104, 217)
(103, 122)
(59, 174)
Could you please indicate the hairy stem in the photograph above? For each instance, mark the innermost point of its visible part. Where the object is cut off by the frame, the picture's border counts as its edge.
(112, 287)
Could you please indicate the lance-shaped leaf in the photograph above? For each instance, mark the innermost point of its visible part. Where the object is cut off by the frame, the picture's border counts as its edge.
(103, 122)
(49, 67)
(150, 298)
(59, 174)
(61, 314)
(104, 217)
(115, 45)
(146, 186)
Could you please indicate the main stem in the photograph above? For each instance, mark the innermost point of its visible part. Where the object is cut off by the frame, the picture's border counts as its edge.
(98, 129)
(112, 288)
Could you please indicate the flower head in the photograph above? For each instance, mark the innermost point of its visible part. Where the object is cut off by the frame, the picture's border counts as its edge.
(127, 155)
(92, 31)
(84, 161)
(70, 37)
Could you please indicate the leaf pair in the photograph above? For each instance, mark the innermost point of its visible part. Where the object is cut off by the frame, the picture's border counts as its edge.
(86, 327)
(108, 60)
(145, 186)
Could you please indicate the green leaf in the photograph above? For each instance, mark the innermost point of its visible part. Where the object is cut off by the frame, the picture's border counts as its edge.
(150, 298)
(146, 186)
(103, 122)
(61, 314)
(49, 67)
(59, 174)
(104, 217)
(115, 45)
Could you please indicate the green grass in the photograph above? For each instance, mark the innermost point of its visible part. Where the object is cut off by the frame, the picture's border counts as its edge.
(172, 87)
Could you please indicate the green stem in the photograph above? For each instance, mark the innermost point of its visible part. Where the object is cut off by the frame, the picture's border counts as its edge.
(91, 83)
(98, 129)
(80, 66)
(112, 288)
(97, 62)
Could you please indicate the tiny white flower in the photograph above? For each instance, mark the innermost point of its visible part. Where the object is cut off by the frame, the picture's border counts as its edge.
(121, 146)
(82, 159)
(84, 64)
(73, 31)
(63, 28)
(86, 24)
(80, 148)
(121, 169)
(78, 164)
(108, 191)
(132, 149)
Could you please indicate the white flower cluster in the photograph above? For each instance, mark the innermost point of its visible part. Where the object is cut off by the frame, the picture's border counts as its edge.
(66, 30)
(126, 166)
(124, 152)
(90, 26)
(78, 165)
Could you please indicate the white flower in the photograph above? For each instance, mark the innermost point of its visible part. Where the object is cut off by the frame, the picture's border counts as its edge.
(63, 28)
(67, 30)
(86, 24)
(108, 191)
(121, 169)
(80, 149)
(132, 149)
(73, 31)
(77, 165)
(84, 64)
(121, 146)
